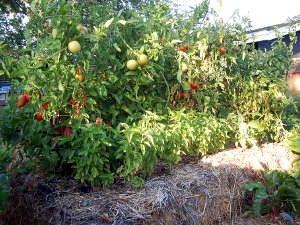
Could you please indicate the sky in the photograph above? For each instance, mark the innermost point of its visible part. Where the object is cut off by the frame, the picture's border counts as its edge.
(261, 12)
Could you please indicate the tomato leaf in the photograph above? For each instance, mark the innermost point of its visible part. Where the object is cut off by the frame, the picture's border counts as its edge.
(154, 36)
(93, 92)
(185, 86)
(179, 74)
(123, 22)
(176, 41)
(108, 23)
(117, 47)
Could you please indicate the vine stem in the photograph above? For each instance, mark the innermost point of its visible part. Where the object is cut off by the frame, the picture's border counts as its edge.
(61, 50)
(129, 46)
(168, 88)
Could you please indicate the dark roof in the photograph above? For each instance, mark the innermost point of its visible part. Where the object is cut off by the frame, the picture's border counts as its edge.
(268, 28)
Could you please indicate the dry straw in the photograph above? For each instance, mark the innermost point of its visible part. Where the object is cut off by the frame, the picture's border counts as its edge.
(205, 191)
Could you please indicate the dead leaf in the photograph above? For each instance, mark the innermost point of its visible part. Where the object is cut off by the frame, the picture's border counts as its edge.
(106, 217)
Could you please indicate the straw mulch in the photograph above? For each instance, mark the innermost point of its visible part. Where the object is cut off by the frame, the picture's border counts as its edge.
(204, 191)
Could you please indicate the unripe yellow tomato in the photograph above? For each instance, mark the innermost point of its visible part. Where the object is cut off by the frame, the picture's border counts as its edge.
(74, 46)
(131, 64)
(142, 59)
(184, 67)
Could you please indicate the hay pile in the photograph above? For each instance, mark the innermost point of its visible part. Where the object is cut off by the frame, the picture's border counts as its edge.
(205, 191)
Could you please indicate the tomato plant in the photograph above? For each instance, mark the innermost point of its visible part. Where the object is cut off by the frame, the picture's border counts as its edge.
(95, 80)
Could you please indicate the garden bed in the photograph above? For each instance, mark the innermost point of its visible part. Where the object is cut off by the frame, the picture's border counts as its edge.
(201, 191)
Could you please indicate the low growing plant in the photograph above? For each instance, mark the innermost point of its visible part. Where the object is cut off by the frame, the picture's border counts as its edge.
(278, 192)
(168, 137)
(6, 153)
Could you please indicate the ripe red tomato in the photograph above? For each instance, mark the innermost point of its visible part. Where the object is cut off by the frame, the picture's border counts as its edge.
(72, 101)
(236, 50)
(22, 101)
(97, 120)
(222, 50)
(107, 123)
(68, 131)
(27, 97)
(225, 84)
(61, 129)
(39, 115)
(84, 98)
(45, 106)
(182, 48)
(77, 110)
(181, 94)
(194, 86)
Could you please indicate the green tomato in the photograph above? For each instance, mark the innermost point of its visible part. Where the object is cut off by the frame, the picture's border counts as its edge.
(132, 64)
(142, 59)
(74, 46)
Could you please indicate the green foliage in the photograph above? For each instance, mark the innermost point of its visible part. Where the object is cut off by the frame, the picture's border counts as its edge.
(90, 153)
(291, 116)
(167, 137)
(6, 153)
(279, 191)
(293, 143)
(154, 112)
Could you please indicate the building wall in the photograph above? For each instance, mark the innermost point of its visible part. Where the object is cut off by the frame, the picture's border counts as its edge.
(294, 84)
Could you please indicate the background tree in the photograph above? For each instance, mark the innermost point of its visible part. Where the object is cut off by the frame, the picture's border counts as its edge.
(11, 24)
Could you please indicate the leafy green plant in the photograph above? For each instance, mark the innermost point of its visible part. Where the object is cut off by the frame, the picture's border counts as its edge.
(278, 191)
(200, 89)
(91, 153)
(291, 116)
(167, 137)
(293, 143)
(4, 191)
(6, 153)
